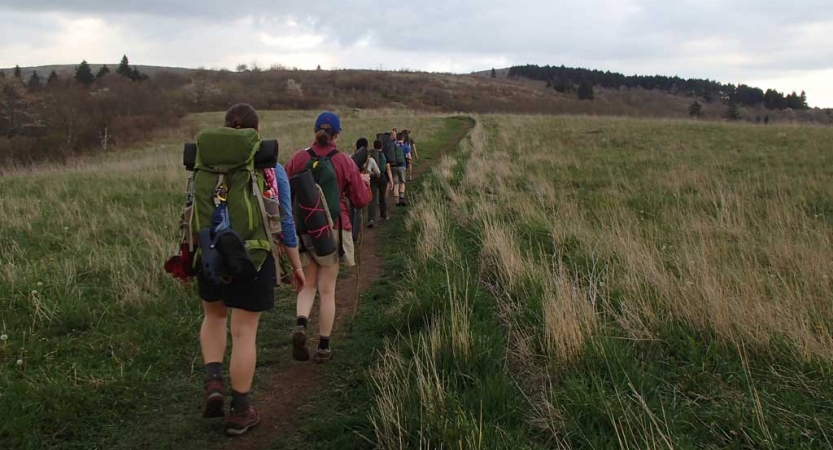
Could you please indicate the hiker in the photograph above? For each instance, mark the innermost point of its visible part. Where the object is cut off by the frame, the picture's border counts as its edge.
(402, 153)
(380, 185)
(247, 297)
(366, 166)
(339, 179)
(397, 164)
(409, 139)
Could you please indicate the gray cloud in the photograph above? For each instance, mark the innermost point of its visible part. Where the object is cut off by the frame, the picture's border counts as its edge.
(728, 40)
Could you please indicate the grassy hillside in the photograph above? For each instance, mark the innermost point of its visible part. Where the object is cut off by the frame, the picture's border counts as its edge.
(211, 90)
(604, 283)
(97, 340)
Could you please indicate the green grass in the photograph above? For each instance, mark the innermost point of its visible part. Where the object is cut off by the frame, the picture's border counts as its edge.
(566, 283)
(102, 346)
(655, 285)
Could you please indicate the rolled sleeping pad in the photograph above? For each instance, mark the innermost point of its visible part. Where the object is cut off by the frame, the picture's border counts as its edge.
(265, 158)
(360, 158)
(189, 156)
(311, 216)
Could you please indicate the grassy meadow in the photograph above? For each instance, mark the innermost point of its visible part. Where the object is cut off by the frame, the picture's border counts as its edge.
(99, 345)
(617, 283)
(562, 282)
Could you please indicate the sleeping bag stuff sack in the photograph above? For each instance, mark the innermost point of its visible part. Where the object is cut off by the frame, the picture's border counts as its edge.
(312, 216)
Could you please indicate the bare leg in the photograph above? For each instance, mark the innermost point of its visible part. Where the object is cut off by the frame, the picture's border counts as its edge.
(327, 309)
(244, 349)
(213, 333)
(306, 297)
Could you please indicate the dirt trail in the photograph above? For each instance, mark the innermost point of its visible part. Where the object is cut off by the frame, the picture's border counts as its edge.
(288, 389)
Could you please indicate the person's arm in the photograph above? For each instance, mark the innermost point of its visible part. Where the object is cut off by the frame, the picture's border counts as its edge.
(289, 236)
(413, 149)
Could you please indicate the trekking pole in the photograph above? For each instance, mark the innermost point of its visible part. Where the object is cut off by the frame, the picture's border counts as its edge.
(358, 269)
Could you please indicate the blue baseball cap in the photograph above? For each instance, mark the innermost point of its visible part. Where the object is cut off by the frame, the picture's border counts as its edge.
(328, 118)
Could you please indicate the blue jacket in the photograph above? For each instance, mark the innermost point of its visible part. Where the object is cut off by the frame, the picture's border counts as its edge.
(288, 235)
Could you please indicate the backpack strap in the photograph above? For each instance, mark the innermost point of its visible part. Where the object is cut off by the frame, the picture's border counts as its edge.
(311, 153)
(332, 153)
(273, 246)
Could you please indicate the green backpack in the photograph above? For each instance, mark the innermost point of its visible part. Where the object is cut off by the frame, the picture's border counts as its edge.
(380, 159)
(399, 152)
(225, 161)
(324, 174)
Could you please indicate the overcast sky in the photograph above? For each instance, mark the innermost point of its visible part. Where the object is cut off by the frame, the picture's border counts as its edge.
(782, 44)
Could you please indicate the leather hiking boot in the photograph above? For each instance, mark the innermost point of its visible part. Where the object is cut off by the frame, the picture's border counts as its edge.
(300, 349)
(322, 356)
(215, 398)
(239, 422)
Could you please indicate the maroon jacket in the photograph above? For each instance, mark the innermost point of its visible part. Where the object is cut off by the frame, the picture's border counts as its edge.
(350, 184)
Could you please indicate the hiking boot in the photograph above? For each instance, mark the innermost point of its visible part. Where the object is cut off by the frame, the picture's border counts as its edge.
(386, 218)
(370, 223)
(300, 350)
(240, 422)
(215, 398)
(322, 356)
(403, 203)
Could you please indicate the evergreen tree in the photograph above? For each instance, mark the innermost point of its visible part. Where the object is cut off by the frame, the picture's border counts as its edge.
(84, 74)
(695, 110)
(53, 78)
(494, 73)
(585, 91)
(124, 68)
(104, 70)
(563, 85)
(135, 75)
(803, 99)
(733, 113)
(34, 84)
(18, 74)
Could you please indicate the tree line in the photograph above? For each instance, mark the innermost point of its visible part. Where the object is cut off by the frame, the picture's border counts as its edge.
(568, 79)
(61, 115)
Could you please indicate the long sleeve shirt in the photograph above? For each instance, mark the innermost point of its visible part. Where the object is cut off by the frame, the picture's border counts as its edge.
(350, 184)
(289, 237)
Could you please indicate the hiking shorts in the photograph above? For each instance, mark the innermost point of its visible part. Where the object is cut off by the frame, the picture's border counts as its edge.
(398, 174)
(257, 295)
(309, 256)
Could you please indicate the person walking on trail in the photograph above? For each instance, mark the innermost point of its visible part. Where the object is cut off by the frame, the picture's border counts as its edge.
(343, 182)
(405, 149)
(380, 185)
(366, 166)
(243, 299)
(398, 167)
(409, 139)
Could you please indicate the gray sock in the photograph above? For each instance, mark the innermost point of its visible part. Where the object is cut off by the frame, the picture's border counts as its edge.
(213, 370)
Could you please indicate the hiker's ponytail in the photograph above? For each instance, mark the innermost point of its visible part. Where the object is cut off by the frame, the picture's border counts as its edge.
(323, 137)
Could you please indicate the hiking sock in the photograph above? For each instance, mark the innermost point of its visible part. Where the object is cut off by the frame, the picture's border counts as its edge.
(213, 370)
(302, 321)
(324, 343)
(239, 401)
